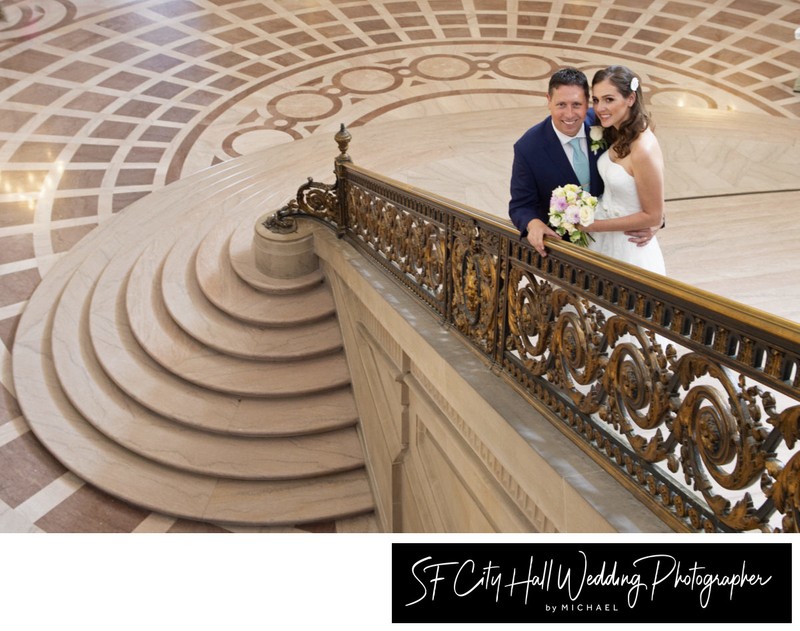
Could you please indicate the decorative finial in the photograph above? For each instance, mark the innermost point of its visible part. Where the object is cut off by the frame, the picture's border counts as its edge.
(343, 138)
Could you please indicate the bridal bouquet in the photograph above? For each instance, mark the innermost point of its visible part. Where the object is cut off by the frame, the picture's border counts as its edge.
(570, 209)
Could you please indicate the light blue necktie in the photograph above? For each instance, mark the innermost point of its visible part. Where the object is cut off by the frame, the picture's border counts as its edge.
(580, 163)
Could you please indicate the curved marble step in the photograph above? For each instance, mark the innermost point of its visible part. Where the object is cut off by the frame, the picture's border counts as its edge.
(225, 289)
(90, 455)
(178, 352)
(145, 381)
(115, 469)
(153, 437)
(242, 259)
(123, 474)
(191, 310)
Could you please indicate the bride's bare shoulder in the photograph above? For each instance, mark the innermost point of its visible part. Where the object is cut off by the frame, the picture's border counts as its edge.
(645, 139)
(646, 144)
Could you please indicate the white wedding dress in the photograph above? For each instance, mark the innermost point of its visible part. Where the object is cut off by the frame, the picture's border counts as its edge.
(619, 199)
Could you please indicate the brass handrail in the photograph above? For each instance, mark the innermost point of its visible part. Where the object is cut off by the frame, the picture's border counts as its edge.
(691, 400)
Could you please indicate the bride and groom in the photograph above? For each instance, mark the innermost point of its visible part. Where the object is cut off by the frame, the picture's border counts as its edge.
(623, 166)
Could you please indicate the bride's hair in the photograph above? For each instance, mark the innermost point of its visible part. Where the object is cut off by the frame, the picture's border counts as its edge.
(626, 82)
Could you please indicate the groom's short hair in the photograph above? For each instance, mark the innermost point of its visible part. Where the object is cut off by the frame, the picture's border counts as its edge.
(568, 76)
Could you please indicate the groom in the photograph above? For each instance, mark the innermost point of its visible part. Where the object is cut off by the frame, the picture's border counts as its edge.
(545, 158)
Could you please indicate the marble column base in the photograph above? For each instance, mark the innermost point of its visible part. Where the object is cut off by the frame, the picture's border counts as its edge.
(284, 255)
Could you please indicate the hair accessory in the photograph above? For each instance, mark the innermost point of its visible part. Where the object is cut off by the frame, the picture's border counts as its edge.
(635, 84)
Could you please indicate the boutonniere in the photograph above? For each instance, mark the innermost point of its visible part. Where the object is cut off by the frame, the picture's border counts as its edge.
(596, 136)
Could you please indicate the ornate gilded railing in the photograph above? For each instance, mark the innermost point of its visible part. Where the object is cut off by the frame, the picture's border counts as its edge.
(689, 399)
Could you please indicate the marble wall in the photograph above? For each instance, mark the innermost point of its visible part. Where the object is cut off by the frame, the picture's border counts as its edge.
(451, 446)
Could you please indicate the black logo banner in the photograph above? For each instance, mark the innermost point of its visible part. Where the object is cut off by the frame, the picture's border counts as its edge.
(592, 583)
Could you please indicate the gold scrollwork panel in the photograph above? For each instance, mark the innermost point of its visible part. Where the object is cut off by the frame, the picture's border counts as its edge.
(476, 275)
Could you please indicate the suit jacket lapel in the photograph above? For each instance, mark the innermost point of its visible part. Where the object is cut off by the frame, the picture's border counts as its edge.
(558, 158)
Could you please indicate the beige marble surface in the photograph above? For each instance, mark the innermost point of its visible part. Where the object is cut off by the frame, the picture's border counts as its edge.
(247, 242)
(188, 306)
(233, 295)
(145, 364)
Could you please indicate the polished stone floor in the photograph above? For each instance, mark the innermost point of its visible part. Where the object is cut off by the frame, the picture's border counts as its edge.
(103, 102)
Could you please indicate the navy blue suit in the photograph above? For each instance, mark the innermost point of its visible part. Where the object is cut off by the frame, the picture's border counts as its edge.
(540, 165)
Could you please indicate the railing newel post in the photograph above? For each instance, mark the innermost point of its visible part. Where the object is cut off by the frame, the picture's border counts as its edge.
(343, 138)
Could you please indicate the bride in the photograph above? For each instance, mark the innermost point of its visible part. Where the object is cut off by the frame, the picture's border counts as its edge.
(632, 170)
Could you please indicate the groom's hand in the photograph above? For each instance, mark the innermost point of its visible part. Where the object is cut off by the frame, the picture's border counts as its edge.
(641, 237)
(537, 231)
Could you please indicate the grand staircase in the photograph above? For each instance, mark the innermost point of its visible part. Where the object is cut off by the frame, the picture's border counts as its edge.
(158, 362)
